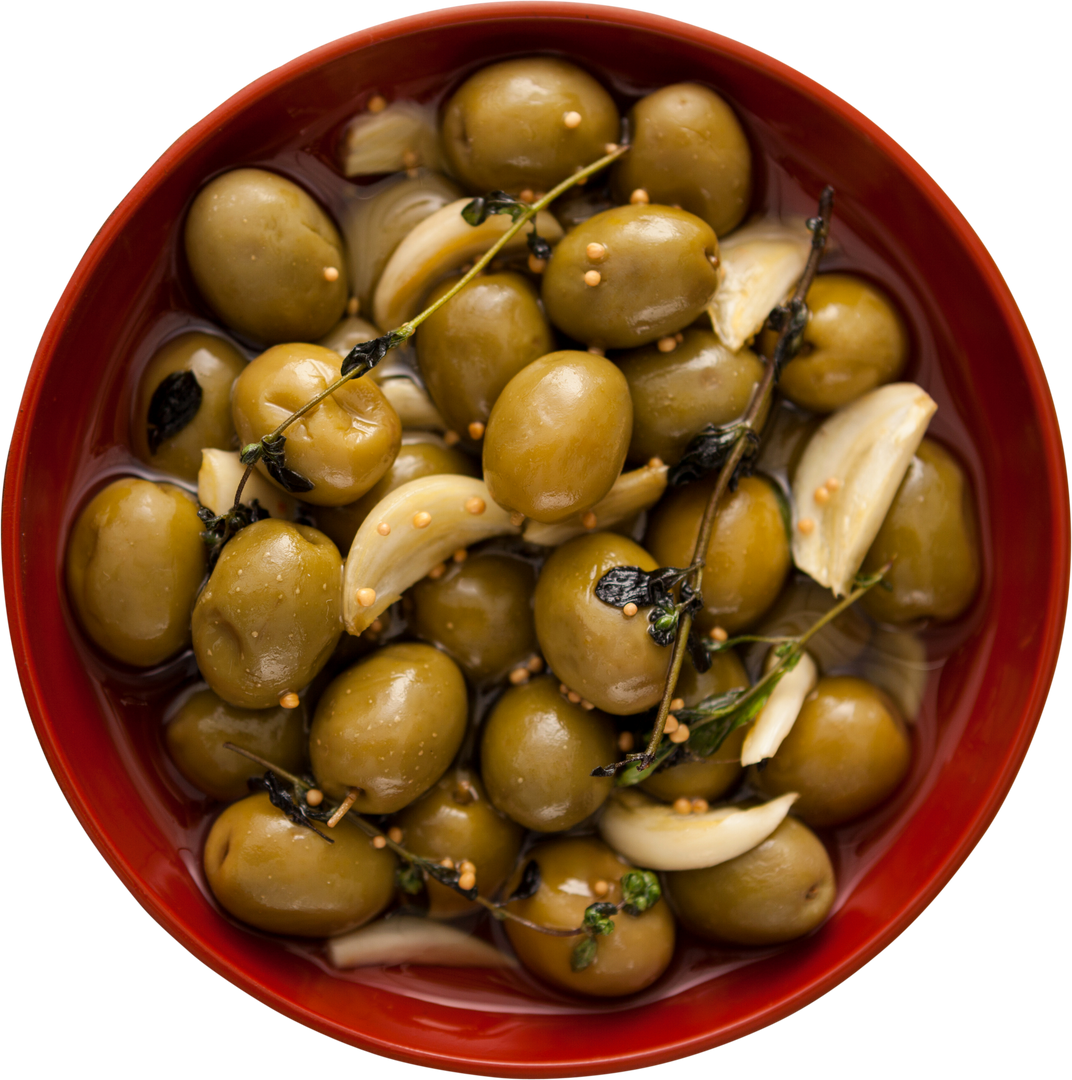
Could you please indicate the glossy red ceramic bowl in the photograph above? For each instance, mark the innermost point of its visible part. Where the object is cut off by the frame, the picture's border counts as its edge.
(971, 349)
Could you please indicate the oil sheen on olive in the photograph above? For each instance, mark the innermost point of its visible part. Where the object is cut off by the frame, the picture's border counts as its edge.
(204, 722)
(557, 436)
(135, 561)
(688, 149)
(508, 126)
(607, 658)
(655, 276)
(931, 533)
(215, 363)
(780, 890)
(343, 445)
(271, 613)
(627, 960)
(285, 879)
(847, 752)
(266, 258)
(389, 726)
(537, 753)
(747, 558)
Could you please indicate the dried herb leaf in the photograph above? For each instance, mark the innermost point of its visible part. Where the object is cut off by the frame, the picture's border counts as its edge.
(410, 878)
(364, 356)
(529, 884)
(219, 528)
(597, 918)
(622, 585)
(173, 405)
(448, 876)
(539, 247)
(640, 891)
(709, 449)
(272, 449)
(294, 809)
(584, 953)
(495, 202)
(251, 453)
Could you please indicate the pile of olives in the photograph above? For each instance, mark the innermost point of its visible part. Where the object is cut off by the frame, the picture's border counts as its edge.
(466, 722)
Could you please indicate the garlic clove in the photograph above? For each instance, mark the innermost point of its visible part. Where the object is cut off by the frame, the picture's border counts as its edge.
(897, 664)
(778, 716)
(218, 480)
(404, 939)
(412, 403)
(401, 136)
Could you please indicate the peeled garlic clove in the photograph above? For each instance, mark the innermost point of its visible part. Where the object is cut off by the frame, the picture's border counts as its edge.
(403, 939)
(632, 492)
(410, 530)
(897, 663)
(778, 716)
(761, 263)
(865, 448)
(401, 136)
(439, 244)
(654, 835)
(412, 403)
(218, 480)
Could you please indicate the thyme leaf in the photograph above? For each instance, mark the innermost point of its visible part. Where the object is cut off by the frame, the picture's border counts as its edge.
(597, 918)
(272, 450)
(584, 953)
(219, 528)
(539, 247)
(410, 878)
(710, 449)
(640, 891)
(447, 875)
(529, 884)
(364, 356)
(294, 809)
(622, 585)
(495, 202)
(173, 405)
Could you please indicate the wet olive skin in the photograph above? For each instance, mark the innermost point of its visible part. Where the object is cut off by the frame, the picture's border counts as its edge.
(847, 752)
(389, 726)
(655, 277)
(456, 820)
(780, 890)
(285, 879)
(215, 363)
(633, 956)
(343, 445)
(204, 722)
(271, 613)
(932, 534)
(689, 150)
(476, 343)
(347, 333)
(536, 736)
(504, 127)
(479, 612)
(747, 558)
(258, 246)
(607, 658)
(675, 394)
(557, 436)
(135, 560)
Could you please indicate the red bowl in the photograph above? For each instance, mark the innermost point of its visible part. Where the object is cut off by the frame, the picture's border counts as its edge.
(973, 352)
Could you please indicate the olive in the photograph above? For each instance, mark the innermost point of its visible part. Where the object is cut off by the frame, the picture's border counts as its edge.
(630, 275)
(747, 558)
(780, 890)
(389, 727)
(454, 820)
(215, 364)
(283, 878)
(343, 445)
(573, 872)
(135, 561)
(847, 752)
(595, 649)
(271, 613)
(526, 124)
(676, 393)
(266, 258)
(688, 149)
(537, 753)
(204, 722)
(931, 532)
(557, 436)
(479, 612)
(347, 333)
(476, 343)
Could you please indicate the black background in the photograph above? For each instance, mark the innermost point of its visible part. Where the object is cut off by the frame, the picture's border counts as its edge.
(91, 103)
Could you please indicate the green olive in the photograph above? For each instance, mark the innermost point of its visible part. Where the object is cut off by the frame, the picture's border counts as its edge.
(135, 560)
(688, 149)
(285, 879)
(633, 956)
(511, 125)
(557, 436)
(479, 612)
(204, 722)
(343, 445)
(537, 753)
(780, 890)
(747, 558)
(271, 613)
(266, 258)
(215, 363)
(389, 727)
(676, 393)
(595, 649)
(630, 275)
(454, 820)
(847, 752)
(931, 532)
(347, 333)
(476, 343)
